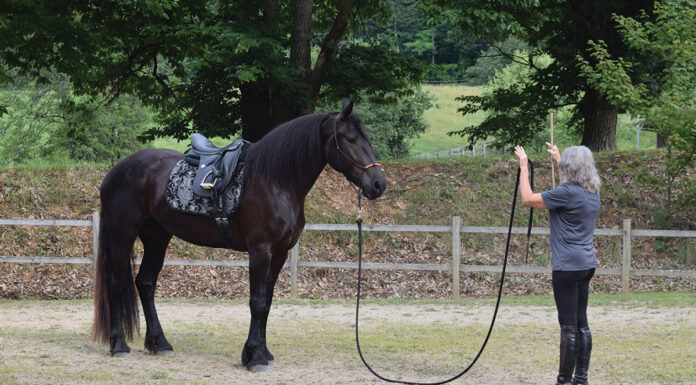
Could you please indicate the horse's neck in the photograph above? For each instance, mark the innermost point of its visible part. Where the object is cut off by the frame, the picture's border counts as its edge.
(299, 173)
(305, 177)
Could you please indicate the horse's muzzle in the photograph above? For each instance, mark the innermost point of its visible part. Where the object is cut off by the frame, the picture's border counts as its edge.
(374, 187)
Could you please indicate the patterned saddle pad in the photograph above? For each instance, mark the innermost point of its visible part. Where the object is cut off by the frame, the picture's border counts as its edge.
(180, 196)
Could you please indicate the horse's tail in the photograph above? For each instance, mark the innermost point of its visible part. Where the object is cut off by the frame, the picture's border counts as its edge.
(125, 297)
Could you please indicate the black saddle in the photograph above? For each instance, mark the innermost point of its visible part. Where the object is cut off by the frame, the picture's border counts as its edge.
(215, 165)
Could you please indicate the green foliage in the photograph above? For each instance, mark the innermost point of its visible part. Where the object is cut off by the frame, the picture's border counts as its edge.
(382, 75)
(561, 30)
(392, 125)
(600, 67)
(46, 121)
(409, 30)
(667, 102)
(508, 96)
(494, 59)
(210, 66)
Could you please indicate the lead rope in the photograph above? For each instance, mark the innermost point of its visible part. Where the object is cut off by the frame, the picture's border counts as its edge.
(497, 303)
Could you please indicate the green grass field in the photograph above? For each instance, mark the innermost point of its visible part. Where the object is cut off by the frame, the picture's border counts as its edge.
(443, 118)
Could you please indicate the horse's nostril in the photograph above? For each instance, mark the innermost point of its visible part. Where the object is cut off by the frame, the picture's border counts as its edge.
(378, 186)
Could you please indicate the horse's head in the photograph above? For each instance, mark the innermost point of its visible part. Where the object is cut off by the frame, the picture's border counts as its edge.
(348, 150)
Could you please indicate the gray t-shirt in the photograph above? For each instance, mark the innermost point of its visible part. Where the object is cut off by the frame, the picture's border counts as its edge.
(573, 213)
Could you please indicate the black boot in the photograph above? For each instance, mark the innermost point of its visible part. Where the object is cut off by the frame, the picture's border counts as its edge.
(583, 361)
(569, 351)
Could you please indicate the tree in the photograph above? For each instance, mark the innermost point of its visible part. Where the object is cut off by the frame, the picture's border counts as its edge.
(215, 67)
(561, 29)
(665, 97)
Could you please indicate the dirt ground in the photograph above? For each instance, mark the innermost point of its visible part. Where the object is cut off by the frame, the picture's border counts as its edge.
(59, 342)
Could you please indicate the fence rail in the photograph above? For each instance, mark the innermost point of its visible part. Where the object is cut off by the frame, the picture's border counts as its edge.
(477, 149)
(456, 229)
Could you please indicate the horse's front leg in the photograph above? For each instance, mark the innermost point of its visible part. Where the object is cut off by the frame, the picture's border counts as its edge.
(276, 265)
(254, 355)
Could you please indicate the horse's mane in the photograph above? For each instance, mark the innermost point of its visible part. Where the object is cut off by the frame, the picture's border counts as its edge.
(288, 147)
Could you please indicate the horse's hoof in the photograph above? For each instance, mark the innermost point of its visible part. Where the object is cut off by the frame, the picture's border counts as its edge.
(260, 368)
(271, 363)
(164, 353)
(120, 354)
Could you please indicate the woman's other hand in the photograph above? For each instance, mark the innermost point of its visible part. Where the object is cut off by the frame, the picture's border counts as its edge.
(553, 150)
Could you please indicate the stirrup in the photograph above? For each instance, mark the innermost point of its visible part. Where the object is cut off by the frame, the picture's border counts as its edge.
(207, 185)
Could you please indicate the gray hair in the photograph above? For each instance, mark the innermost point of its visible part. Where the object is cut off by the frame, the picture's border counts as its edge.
(578, 167)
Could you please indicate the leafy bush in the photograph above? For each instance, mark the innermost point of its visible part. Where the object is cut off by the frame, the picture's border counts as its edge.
(44, 120)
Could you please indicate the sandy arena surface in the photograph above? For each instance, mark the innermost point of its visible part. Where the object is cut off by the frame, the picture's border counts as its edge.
(76, 318)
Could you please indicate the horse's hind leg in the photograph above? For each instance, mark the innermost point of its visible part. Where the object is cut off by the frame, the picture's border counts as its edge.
(155, 239)
(121, 292)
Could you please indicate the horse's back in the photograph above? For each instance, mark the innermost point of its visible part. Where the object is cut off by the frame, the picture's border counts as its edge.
(141, 164)
(136, 173)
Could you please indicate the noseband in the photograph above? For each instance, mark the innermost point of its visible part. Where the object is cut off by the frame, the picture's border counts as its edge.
(363, 167)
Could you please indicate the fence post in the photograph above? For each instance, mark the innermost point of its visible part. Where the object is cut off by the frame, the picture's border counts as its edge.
(95, 238)
(626, 259)
(456, 254)
(294, 255)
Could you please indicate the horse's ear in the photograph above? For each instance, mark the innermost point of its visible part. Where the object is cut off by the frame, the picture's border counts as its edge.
(347, 108)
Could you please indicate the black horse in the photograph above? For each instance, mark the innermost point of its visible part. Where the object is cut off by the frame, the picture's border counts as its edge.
(279, 171)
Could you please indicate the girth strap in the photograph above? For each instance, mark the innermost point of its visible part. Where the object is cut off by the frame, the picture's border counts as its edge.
(224, 228)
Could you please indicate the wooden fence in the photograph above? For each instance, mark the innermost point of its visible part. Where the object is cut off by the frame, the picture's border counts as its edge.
(476, 149)
(456, 229)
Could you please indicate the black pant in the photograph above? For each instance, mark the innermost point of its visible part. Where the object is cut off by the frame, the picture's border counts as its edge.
(570, 289)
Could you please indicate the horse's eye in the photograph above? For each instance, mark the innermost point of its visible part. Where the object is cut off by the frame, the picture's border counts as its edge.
(352, 140)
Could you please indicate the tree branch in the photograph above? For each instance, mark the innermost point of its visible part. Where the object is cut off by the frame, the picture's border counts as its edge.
(512, 57)
(328, 46)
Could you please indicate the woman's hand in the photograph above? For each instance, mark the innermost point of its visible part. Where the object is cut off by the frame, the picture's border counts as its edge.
(553, 150)
(519, 151)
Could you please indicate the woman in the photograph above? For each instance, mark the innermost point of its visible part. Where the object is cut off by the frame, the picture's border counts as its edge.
(573, 208)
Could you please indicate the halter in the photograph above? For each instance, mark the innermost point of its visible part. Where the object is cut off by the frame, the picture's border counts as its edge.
(364, 168)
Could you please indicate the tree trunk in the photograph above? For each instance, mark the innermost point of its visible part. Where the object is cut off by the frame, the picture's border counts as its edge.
(257, 115)
(300, 50)
(270, 13)
(263, 108)
(600, 122)
(432, 41)
(661, 141)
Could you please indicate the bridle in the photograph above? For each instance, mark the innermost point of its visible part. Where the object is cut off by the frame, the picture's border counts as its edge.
(356, 163)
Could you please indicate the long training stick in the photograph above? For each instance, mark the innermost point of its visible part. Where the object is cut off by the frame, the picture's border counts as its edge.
(553, 171)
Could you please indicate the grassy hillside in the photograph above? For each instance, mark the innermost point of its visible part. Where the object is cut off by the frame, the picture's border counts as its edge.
(479, 190)
(443, 118)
